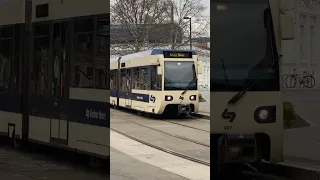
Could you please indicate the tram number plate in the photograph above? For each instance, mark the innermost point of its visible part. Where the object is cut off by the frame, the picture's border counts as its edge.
(227, 128)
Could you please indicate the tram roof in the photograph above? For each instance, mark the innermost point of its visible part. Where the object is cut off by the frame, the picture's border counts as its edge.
(148, 53)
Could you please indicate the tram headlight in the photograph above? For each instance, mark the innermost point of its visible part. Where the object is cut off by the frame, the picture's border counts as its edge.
(168, 98)
(193, 97)
(265, 114)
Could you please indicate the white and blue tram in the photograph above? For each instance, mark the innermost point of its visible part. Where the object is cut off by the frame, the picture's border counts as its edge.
(60, 97)
(157, 81)
(246, 85)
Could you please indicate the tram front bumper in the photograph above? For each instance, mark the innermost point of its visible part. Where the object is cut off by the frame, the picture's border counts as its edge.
(237, 148)
(184, 109)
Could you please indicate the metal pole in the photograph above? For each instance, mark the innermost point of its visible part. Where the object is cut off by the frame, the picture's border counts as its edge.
(190, 36)
(171, 24)
(26, 74)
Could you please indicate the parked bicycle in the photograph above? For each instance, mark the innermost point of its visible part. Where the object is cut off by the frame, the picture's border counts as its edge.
(204, 87)
(306, 79)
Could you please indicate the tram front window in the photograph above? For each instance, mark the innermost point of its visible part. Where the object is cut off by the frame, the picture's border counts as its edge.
(180, 76)
(243, 47)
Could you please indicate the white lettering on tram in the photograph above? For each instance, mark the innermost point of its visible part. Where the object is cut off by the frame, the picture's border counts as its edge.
(95, 114)
(139, 97)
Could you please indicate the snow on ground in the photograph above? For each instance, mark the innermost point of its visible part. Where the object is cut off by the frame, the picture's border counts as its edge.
(204, 55)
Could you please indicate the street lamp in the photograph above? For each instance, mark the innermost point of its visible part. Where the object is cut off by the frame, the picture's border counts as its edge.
(190, 31)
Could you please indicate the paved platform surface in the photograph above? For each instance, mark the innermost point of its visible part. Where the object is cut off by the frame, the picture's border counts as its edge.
(18, 165)
(303, 144)
(164, 134)
(161, 165)
(204, 107)
(126, 167)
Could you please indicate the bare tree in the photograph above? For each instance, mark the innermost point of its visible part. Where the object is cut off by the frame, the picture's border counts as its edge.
(136, 18)
(194, 10)
(139, 21)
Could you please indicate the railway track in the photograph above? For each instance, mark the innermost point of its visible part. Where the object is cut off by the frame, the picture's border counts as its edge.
(162, 149)
(174, 122)
(137, 120)
(171, 134)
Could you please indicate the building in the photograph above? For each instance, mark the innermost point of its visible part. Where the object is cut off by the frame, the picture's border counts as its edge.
(302, 53)
(201, 42)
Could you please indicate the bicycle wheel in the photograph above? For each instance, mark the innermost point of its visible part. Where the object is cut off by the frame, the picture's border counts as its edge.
(309, 81)
(290, 81)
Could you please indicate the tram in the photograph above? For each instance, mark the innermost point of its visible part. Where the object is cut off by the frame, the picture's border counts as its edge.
(157, 81)
(246, 85)
(66, 104)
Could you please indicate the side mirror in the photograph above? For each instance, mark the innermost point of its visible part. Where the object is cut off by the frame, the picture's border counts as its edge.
(286, 27)
(159, 71)
(199, 68)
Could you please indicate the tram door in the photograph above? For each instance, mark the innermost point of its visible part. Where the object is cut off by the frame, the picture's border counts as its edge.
(128, 87)
(60, 45)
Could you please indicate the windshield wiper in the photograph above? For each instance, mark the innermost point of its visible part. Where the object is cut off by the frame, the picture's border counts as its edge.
(245, 88)
(193, 79)
(248, 85)
(188, 86)
(224, 71)
(170, 82)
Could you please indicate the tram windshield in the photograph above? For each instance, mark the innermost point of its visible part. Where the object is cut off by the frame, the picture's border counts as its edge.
(179, 75)
(244, 48)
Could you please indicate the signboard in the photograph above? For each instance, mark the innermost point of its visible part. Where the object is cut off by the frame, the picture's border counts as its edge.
(176, 54)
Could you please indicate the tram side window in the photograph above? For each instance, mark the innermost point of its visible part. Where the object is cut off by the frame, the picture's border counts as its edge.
(156, 80)
(115, 79)
(40, 70)
(123, 80)
(159, 81)
(153, 75)
(143, 79)
(140, 79)
(6, 58)
(102, 54)
(112, 79)
(17, 58)
(135, 78)
(82, 67)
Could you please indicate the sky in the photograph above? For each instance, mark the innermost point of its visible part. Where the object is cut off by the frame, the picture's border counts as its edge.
(207, 12)
(207, 4)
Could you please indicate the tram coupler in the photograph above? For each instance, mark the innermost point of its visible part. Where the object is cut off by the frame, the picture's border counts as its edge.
(236, 149)
(184, 109)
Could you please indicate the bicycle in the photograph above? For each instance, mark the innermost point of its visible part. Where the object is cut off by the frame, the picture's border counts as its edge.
(306, 79)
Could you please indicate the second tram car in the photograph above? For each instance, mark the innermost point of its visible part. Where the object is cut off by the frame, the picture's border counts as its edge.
(246, 84)
(157, 81)
(66, 104)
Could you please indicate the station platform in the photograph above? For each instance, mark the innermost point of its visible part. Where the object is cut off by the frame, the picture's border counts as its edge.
(204, 107)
